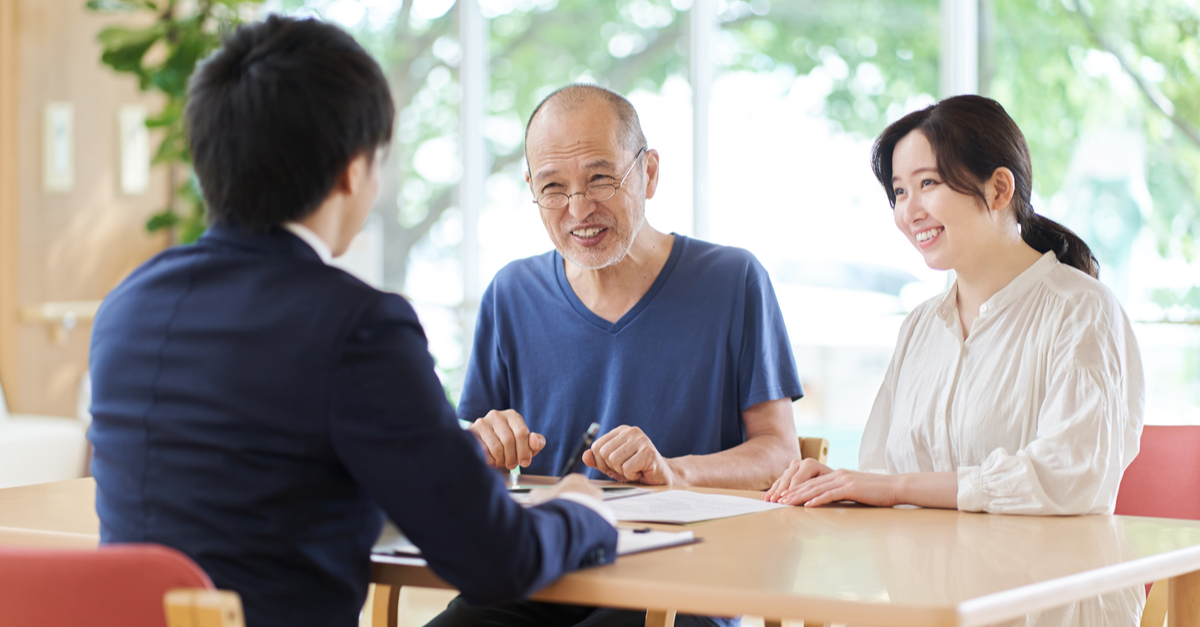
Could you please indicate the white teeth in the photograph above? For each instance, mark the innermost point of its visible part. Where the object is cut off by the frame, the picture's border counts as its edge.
(592, 232)
(925, 236)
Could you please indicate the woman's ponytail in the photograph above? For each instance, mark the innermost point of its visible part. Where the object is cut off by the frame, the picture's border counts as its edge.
(1045, 235)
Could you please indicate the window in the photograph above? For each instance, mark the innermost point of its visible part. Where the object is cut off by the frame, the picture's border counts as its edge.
(798, 91)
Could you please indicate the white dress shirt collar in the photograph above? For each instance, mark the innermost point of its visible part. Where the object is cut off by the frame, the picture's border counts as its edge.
(312, 239)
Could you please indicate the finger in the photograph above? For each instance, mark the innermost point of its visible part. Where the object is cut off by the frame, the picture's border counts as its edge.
(806, 473)
(537, 442)
(805, 494)
(784, 480)
(498, 422)
(620, 449)
(816, 487)
(604, 439)
(797, 473)
(589, 459)
(641, 465)
(623, 452)
(613, 440)
(601, 463)
(492, 449)
(520, 432)
(843, 493)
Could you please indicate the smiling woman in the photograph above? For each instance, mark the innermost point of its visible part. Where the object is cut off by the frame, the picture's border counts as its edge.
(1020, 389)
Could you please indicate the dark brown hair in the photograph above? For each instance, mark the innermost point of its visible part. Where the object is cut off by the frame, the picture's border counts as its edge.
(972, 137)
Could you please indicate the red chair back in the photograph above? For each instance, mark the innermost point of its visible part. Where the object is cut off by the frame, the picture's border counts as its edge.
(1164, 479)
(114, 586)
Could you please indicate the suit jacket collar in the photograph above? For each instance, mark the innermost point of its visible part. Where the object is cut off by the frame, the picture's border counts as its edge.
(277, 241)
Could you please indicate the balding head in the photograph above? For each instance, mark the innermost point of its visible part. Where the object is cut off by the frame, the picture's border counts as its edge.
(581, 96)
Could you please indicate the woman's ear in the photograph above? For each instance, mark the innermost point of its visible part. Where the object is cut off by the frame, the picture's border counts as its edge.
(1000, 189)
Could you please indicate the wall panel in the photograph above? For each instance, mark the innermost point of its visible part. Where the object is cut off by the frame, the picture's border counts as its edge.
(76, 245)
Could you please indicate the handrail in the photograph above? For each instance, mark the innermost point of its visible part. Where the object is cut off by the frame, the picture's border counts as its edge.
(60, 317)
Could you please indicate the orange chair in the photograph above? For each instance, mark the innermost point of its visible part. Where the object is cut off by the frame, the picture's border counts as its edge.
(114, 586)
(1162, 482)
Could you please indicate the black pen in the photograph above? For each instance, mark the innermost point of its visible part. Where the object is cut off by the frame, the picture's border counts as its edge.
(585, 443)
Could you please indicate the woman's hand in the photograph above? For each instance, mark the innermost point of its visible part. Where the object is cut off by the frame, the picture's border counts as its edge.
(810, 483)
(845, 485)
(797, 473)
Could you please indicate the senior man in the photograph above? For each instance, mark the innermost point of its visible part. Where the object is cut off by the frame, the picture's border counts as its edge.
(675, 346)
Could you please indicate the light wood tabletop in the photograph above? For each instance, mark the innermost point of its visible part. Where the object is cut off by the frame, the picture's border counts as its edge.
(60, 514)
(897, 567)
(861, 565)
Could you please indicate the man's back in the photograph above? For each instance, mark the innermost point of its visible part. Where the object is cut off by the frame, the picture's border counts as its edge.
(252, 405)
(213, 369)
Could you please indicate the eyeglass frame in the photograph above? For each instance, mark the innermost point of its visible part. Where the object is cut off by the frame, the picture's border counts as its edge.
(584, 193)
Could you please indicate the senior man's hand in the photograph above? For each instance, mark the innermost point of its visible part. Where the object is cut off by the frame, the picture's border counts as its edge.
(627, 454)
(506, 441)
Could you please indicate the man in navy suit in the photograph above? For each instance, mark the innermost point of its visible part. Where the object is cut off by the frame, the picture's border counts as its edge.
(260, 410)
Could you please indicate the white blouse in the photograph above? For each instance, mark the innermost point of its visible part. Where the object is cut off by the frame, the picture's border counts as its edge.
(1039, 410)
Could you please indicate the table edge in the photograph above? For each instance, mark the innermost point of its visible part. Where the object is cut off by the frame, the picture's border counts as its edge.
(989, 609)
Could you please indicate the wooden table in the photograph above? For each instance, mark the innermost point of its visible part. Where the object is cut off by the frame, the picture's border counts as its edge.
(61, 514)
(878, 566)
(885, 567)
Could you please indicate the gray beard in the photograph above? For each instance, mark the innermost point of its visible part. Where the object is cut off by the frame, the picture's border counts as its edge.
(621, 254)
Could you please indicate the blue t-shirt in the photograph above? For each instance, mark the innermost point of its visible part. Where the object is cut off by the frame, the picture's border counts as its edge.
(704, 344)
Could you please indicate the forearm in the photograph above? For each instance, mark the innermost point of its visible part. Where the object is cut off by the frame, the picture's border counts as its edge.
(752, 465)
(928, 489)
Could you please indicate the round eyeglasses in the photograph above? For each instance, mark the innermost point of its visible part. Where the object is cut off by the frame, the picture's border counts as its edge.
(595, 193)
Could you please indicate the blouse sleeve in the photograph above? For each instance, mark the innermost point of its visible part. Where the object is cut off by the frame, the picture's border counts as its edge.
(872, 453)
(1088, 428)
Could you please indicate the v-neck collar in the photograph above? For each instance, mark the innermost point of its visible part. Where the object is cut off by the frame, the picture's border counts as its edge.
(615, 327)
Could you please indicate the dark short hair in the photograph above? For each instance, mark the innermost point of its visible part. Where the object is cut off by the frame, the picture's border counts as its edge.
(577, 95)
(972, 137)
(277, 113)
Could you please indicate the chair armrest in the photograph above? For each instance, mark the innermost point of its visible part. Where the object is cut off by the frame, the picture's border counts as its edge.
(197, 607)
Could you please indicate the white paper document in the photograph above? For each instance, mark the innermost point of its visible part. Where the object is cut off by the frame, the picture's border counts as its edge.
(392, 542)
(681, 507)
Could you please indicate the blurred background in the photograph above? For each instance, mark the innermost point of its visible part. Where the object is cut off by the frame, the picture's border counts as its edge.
(763, 113)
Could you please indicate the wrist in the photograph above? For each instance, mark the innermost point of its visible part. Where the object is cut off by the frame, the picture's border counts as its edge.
(902, 489)
(676, 472)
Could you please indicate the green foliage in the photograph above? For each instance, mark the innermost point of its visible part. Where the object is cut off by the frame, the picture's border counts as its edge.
(162, 56)
(879, 55)
(1061, 68)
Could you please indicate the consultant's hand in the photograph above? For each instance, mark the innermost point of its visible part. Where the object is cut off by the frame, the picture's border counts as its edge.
(505, 439)
(810, 483)
(571, 483)
(627, 454)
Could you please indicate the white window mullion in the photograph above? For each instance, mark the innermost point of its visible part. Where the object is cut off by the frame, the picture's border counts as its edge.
(703, 32)
(473, 75)
(959, 58)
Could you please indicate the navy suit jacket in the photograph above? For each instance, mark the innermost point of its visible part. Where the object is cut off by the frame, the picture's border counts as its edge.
(261, 411)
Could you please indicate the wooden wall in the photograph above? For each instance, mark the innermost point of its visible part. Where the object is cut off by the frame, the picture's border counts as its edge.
(9, 95)
(64, 246)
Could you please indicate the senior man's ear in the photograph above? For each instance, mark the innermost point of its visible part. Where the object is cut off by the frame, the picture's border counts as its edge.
(651, 172)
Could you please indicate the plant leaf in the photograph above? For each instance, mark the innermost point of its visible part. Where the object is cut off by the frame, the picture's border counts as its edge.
(125, 47)
(116, 6)
(164, 219)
